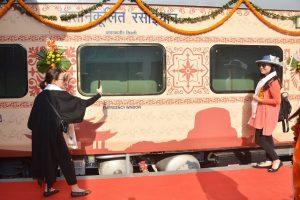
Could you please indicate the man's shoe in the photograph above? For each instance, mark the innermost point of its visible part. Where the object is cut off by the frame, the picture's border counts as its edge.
(80, 194)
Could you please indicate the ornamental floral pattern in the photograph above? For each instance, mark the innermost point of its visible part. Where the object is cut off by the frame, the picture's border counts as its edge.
(188, 70)
(35, 77)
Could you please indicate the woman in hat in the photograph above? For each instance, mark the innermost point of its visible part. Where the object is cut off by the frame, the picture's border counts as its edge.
(265, 110)
(52, 111)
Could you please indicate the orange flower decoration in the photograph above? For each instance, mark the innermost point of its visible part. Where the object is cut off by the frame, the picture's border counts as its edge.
(51, 44)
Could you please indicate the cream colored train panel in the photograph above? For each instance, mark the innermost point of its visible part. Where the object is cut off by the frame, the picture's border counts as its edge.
(192, 98)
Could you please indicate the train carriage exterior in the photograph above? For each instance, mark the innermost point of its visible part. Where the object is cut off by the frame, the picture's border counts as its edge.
(163, 91)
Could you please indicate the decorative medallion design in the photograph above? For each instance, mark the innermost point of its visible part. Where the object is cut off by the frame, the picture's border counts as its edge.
(188, 70)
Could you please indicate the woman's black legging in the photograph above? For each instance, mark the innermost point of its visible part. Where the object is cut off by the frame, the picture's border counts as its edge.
(65, 163)
(266, 143)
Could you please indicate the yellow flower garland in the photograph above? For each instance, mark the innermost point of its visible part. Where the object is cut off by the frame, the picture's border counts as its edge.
(270, 25)
(71, 28)
(188, 32)
(6, 7)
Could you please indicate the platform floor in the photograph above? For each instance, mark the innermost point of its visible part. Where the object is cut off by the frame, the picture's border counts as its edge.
(229, 183)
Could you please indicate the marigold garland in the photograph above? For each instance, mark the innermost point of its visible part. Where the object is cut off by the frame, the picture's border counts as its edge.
(153, 13)
(6, 7)
(270, 25)
(163, 15)
(176, 20)
(71, 28)
(216, 12)
(188, 32)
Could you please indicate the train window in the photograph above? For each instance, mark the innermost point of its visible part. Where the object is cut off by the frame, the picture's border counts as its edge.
(124, 69)
(233, 68)
(13, 71)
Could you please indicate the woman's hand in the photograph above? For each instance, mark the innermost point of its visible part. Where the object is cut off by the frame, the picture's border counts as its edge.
(100, 90)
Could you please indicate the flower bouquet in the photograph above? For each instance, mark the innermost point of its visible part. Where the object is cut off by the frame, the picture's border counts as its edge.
(51, 58)
(294, 64)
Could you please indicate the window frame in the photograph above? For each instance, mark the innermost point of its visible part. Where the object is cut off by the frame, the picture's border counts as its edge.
(121, 45)
(212, 48)
(25, 72)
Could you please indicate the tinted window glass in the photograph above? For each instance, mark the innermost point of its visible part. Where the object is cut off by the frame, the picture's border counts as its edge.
(13, 71)
(123, 69)
(233, 68)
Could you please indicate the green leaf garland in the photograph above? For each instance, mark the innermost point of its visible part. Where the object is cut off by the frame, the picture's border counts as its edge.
(164, 16)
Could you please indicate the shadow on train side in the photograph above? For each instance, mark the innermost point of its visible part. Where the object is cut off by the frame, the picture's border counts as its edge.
(212, 130)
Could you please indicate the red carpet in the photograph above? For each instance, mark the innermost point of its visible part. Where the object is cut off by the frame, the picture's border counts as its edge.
(252, 184)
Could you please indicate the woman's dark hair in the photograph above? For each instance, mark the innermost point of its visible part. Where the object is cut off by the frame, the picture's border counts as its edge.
(51, 75)
(278, 72)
